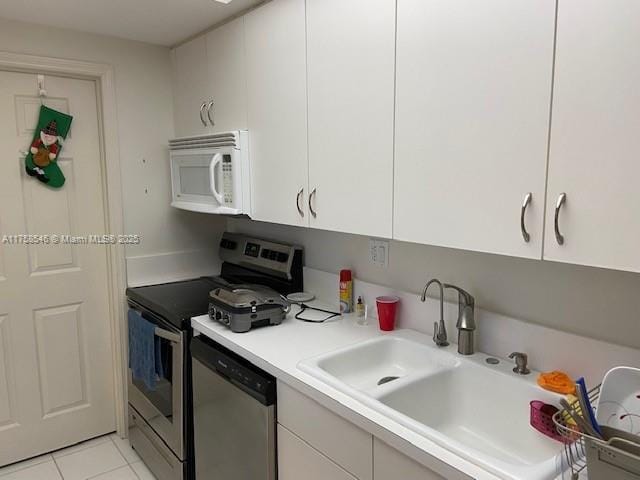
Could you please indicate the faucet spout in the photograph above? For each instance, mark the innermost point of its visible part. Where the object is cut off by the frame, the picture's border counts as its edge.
(466, 323)
(439, 330)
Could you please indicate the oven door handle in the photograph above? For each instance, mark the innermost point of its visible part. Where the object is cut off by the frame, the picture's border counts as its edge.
(166, 334)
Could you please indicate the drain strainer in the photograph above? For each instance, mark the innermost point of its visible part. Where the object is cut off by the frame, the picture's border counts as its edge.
(384, 380)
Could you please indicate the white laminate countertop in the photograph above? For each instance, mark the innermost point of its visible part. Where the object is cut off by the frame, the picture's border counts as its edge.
(279, 349)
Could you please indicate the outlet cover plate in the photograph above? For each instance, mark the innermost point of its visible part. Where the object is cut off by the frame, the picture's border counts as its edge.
(379, 252)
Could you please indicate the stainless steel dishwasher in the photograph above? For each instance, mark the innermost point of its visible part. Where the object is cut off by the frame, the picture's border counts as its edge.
(234, 420)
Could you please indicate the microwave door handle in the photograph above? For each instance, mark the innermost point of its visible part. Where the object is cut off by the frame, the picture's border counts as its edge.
(217, 158)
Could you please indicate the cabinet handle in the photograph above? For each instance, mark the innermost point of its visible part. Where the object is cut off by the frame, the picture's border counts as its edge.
(204, 122)
(300, 193)
(311, 197)
(523, 227)
(209, 114)
(561, 201)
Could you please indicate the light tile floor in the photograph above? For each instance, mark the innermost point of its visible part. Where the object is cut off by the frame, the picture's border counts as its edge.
(103, 458)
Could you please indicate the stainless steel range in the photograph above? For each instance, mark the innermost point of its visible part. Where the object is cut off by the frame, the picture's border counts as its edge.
(253, 271)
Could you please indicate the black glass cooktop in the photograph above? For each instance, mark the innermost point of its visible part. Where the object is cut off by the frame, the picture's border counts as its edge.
(176, 302)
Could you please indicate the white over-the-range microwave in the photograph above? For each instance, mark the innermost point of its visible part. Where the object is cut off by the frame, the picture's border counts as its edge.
(212, 173)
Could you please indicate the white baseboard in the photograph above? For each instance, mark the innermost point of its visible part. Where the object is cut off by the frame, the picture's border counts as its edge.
(171, 266)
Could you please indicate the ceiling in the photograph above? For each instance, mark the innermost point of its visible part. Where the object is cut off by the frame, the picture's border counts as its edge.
(161, 22)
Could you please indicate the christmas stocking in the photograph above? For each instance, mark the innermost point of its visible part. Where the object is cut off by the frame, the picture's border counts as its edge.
(42, 159)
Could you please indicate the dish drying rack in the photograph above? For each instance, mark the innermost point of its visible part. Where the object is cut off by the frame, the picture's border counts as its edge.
(607, 461)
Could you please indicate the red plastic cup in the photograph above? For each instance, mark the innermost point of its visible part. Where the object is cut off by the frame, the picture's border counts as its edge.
(387, 306)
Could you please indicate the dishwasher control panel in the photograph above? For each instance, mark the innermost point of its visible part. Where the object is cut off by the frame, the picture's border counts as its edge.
(239, 371)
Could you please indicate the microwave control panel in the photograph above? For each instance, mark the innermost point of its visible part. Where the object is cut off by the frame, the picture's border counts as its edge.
(227, 180)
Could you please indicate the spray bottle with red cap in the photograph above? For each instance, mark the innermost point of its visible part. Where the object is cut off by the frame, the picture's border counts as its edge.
(346, 291)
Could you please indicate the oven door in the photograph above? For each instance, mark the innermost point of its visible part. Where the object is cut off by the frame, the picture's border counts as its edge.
(163, 407)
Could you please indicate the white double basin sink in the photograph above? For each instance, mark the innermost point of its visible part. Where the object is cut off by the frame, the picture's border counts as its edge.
(478, 411)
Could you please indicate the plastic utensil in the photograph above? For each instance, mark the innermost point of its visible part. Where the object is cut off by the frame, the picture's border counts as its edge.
(583, 426)
(585, 405)
(387, 306)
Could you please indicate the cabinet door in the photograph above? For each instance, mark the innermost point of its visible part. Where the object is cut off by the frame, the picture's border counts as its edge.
(227, 77)
(277, 111)
(340, 440)
(595, 141)
(297, 460)
(350, 79)
(190, 86)
(472, 122)
(390, 464)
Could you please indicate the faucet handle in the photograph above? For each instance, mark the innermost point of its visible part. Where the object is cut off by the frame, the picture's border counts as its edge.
(521, 363)
(464, 298)
(466, 305)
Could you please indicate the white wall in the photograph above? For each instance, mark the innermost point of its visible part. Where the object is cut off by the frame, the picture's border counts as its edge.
(593, 302)
(174, 243)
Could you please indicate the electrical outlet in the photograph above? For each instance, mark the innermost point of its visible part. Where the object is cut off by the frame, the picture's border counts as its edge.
(379, 252)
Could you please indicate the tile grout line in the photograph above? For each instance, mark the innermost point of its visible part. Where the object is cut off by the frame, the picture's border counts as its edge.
(57, 467)
(111, 470)
(134, 472)
(122, 453)
(18, 468)
(108, 439)
(86, 447)
(125, 458)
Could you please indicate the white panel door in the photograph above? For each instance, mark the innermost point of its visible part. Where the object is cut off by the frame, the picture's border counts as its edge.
(472, 119)
(595, 142)
(227, 77)
(191, 87)
(351, 54)
(277, 111)
(56, 379)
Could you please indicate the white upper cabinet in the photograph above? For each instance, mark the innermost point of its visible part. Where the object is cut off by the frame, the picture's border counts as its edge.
(595, 135)
(190, 87)
(350, 49)
(472, 118)
(277, 111)
(227, 77)
(209, 81)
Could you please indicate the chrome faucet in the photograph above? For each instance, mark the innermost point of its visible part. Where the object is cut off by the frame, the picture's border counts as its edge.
(439, 330)
(466, 324)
